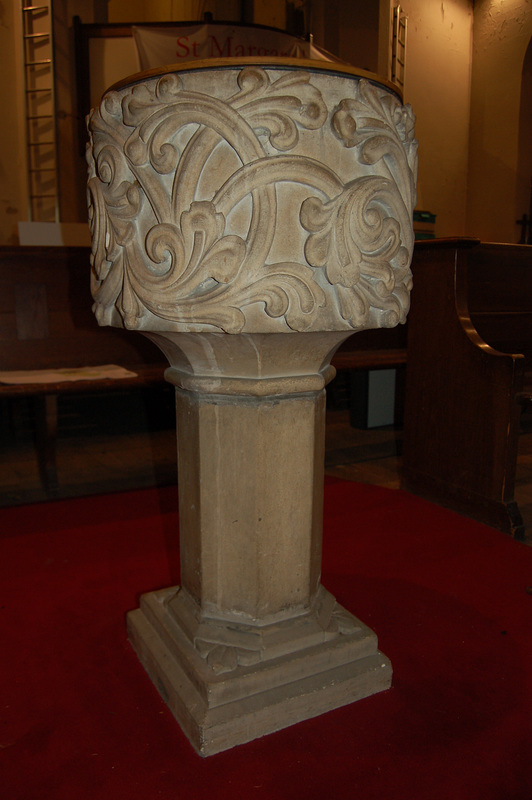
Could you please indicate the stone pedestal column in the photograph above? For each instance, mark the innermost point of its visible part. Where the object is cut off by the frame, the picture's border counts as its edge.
(248, 219)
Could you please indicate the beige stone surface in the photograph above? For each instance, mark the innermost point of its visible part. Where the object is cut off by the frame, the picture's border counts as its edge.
(251, 642)
(248, 218)
(250, 439)
(220, 708)
(252, 197)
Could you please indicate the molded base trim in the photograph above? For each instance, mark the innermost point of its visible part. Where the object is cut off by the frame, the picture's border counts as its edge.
(280, 691)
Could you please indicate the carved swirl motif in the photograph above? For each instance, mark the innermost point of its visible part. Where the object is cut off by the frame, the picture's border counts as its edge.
(329, 620)
(212, 213)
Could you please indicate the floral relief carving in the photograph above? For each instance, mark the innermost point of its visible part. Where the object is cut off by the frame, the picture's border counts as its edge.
(192, 224)
(226, 647)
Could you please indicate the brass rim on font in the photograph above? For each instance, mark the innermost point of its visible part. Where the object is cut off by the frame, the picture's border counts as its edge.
(268, 62)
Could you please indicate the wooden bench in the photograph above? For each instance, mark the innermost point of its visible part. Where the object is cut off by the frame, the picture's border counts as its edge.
(46, 322)
(361, 354)
(469, 374)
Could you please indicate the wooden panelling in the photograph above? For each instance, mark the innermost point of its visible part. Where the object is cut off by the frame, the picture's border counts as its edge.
(462, 407)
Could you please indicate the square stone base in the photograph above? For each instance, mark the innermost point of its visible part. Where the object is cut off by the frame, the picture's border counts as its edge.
(220, 710)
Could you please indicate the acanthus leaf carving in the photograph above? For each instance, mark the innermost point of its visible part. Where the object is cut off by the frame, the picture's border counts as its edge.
(356, 238)
(281, 106)
(163, 249)
(380, 128)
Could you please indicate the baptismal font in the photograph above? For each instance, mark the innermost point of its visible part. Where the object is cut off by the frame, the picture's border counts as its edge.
(248, 217)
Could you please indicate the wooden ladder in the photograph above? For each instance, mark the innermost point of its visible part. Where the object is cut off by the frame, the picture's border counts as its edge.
(39, 110)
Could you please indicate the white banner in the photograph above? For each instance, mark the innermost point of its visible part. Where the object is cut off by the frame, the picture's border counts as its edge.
(158, 47)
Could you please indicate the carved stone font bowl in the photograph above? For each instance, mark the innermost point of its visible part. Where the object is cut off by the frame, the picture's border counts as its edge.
(264, 197)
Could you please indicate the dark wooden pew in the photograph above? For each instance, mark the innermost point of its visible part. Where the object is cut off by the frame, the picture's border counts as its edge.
(363, 353)
(46, 322)
(469, 373)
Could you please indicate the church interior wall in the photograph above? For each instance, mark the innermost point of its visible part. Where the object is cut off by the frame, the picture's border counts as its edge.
(463, 79)
(437, 85)
(501, 35)
(13, 195)
(523, 193)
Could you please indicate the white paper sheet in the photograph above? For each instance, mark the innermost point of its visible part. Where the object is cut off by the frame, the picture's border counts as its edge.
(65, 374)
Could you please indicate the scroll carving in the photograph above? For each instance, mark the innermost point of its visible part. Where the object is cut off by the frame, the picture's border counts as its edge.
(227, 213)
(226, 647)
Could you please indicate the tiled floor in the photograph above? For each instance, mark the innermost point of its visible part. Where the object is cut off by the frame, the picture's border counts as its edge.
(97, 463)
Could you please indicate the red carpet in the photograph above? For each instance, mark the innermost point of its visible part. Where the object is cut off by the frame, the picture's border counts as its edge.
(448, 598)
